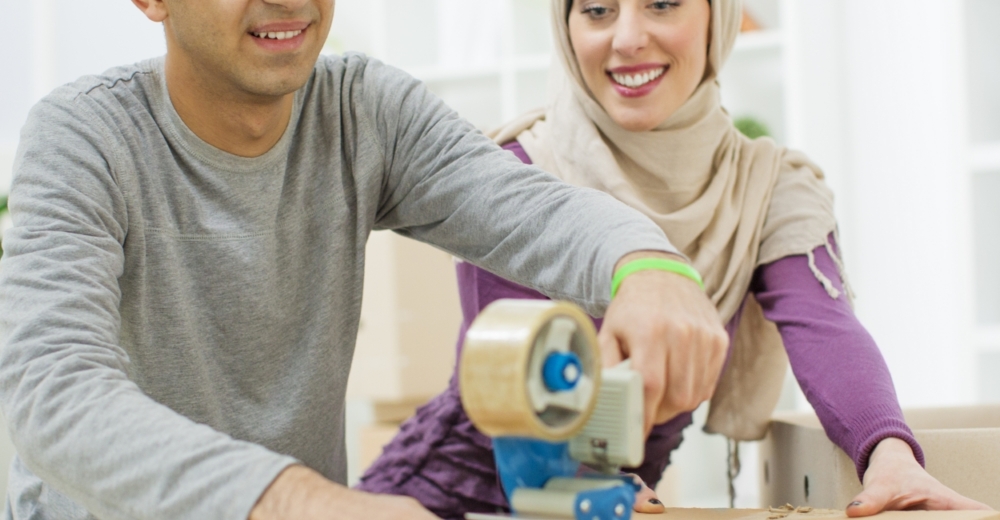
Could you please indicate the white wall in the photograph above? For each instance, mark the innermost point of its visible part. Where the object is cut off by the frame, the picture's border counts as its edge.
(908, 213)
(878, 102)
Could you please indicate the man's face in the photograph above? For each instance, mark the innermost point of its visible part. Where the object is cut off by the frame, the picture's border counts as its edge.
(262, 48)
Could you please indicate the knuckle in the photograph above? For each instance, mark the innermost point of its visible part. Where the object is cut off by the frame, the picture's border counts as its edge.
(654, 385)
(720, 342)
(682, 399)
(683, 332)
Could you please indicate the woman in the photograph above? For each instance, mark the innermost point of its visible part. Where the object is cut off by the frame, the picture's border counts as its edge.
(636, 113)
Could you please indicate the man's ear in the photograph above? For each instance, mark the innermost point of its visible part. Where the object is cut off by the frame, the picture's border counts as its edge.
(155, 10)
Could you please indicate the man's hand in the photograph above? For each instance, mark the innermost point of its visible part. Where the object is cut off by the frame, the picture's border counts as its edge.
(672, 333)
(894, 480)
(300, 493)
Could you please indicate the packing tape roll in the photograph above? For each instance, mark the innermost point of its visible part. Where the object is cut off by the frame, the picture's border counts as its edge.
(494, 369)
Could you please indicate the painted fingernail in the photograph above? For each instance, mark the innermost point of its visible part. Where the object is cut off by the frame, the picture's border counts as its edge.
(655, 502)
(854, 504)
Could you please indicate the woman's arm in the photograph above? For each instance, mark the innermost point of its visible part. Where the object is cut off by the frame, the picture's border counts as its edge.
(835, 360)
(845, 378)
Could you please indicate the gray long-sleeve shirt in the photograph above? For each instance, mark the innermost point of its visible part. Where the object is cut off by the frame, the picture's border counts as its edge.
(178, 323)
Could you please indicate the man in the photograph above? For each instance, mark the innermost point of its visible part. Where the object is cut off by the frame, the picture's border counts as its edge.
(180, 292)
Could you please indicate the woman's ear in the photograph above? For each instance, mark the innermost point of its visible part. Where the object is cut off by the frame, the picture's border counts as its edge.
(155, 10)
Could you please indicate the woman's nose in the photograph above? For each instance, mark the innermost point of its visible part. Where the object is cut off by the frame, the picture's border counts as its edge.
(290, 5)
(630, 35)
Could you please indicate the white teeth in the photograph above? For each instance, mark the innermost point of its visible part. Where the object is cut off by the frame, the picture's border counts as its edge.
(280, 35)
(637, 80)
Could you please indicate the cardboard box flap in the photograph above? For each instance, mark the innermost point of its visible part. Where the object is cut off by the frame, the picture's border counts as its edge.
(952, 418)
(958, 417)
(961, 448)
(817, 514)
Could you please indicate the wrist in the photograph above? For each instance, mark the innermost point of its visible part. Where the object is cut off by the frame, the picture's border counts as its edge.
(639, 255)
(891, 449)
(295, 490)
(649, 265)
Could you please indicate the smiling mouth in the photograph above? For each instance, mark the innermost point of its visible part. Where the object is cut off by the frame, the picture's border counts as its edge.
(277, 35)
(637, 80)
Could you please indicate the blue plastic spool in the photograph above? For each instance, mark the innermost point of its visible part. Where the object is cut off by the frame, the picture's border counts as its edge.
(561, 371)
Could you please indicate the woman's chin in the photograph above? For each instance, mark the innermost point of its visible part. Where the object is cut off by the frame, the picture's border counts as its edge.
(637, 116)
(636, 120)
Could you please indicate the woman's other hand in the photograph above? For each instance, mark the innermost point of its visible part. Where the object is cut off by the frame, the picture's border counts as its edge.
(673, 334)
(895, 480)
(646, 500)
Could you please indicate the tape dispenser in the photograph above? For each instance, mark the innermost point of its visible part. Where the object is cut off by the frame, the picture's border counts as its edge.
(530, 378)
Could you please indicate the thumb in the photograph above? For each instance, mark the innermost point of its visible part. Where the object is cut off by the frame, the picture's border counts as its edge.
(646, 501)
(611, 351)
(869, 502)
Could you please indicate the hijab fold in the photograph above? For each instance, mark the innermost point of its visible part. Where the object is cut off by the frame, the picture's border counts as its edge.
(727, 202)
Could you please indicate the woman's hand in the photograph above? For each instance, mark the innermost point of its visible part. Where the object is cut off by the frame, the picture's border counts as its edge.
(895, 480)
(673, 334)
(646, 501)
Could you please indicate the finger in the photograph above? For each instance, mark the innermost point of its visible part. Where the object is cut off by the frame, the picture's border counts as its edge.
(718, 345)
(651, 363)
(684, 371)
(646, 501)
(968, 503)
(611, 352)
(951, 500)
(869, 502)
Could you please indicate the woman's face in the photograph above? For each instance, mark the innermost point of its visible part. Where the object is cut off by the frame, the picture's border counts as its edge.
(642, 59)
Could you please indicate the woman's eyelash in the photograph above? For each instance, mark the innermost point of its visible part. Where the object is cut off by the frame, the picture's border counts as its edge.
(599, 10)
(665, 5)
(595, 10)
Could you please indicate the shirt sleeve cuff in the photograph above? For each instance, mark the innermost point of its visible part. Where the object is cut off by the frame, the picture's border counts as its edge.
(879, 430)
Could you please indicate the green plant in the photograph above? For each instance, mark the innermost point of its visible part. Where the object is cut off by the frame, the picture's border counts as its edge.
(751, 127)
(3, 211)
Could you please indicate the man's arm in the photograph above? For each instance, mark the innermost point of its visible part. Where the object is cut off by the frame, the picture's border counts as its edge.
(300, 493)
(450, 186)
(76, 419)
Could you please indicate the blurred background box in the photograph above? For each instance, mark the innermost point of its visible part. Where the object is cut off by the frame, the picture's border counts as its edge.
(373, 438)
(405, 354)
(799, 465)
(410, 317)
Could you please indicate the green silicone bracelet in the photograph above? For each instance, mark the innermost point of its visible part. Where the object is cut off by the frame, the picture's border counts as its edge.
(661, 264)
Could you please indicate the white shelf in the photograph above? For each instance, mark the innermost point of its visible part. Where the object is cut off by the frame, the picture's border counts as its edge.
(532, 63)
(987, 338)
(985, 157)
(756, 41)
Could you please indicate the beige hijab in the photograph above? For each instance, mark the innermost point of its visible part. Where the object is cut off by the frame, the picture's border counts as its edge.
(727, 202)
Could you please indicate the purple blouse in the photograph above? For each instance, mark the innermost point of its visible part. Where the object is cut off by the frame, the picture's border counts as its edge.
(440, 458)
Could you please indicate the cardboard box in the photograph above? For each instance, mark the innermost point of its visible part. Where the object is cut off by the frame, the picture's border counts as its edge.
(410, 316)
(373, 438)
(799, 465)
(764, 514)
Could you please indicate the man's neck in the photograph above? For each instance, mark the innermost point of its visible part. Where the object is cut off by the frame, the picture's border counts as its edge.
(235, 122)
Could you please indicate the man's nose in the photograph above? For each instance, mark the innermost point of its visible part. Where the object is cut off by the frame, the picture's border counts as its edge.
(291, 5)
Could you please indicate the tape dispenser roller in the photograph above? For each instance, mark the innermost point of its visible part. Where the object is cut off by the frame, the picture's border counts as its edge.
(530, 378)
